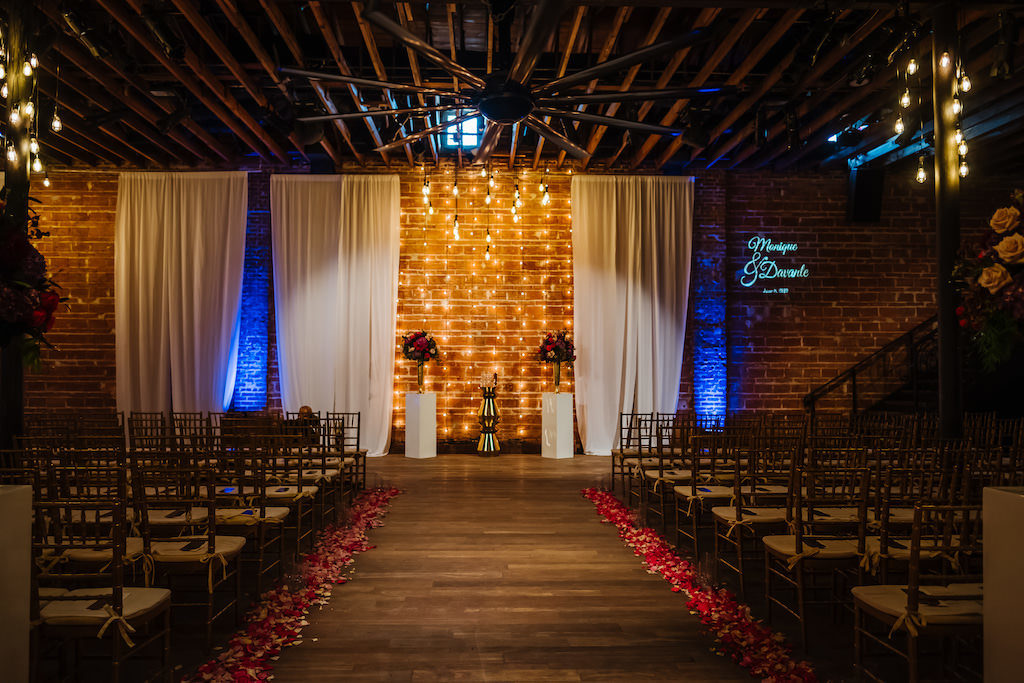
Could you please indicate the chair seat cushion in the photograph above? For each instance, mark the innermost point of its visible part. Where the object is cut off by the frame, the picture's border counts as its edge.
(191, 550)
(671, 474)
(235, 516)
(282, 491)
(960, 608)
(132, 551)
(89, 610)
(898, 549)
(178, 517)
(704, 491)
(753, 515)
(821, 549)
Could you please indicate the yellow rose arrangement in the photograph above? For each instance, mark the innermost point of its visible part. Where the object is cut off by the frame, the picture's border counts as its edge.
(990, 277)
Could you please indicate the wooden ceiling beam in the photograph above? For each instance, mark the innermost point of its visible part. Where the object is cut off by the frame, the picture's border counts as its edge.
(570, 44)
(405, 19)
(72, 118)
(717, 55)
(147, 118)
(331, 38)
(230, 10)
(141, 35)
(513, 145)
(652, 34)
(378, 68)
(812, 77)
(622, 15)
(209, 143)
(325, 99)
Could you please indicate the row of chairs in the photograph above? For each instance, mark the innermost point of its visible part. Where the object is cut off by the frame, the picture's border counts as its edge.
(827, 507)
(165, 516)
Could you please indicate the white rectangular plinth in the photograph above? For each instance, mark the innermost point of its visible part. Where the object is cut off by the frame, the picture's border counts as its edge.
(1003, 606)
(420, 425)
(15, 580)
(556, 437)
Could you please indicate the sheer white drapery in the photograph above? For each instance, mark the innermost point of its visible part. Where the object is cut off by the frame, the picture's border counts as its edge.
(179, 250)
(631, 240)
(335, 241)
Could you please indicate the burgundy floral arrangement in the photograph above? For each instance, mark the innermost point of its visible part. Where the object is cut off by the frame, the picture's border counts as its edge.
(28, 297)
(277, 620)
(557, 347)
(752, 644)
(990, 277)
(419, 346)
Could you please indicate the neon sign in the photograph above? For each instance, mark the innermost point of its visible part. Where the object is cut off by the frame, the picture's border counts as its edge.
(762, 265)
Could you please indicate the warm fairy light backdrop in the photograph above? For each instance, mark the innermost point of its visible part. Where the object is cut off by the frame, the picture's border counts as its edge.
(486, 314)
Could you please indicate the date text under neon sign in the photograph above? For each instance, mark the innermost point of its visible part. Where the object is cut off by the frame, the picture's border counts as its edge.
(762, 264)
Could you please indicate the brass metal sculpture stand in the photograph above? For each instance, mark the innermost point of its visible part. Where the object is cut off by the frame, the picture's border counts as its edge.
(488, 444)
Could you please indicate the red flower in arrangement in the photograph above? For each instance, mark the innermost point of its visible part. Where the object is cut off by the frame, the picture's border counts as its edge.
(748, 641)
(990, 277)
(420, 347)
(557, 347)
(277, 620)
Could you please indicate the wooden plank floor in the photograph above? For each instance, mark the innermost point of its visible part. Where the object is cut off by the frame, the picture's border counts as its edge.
(496, 569)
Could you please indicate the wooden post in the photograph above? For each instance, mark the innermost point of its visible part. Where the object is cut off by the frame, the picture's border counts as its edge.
(16, 179)
(947, 215)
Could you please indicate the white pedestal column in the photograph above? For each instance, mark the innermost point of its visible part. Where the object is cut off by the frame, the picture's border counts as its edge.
(556, 436)
(1003, 517)
(420, 425)
(15, 580)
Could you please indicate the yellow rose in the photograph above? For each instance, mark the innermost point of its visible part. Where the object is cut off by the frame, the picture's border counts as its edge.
(1011, 248)
(1005, 219)
(994, 278)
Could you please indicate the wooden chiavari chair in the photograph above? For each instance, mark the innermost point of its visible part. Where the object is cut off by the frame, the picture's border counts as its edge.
(712, 460)
(829, 505)
(101, 430)
(147, 430)
(79, 591)
(942, 602)
(344, 442)
(200, 566)
(671, 436)
(631, 438)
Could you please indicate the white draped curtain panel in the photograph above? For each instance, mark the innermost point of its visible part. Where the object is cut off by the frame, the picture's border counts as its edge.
(335, 244)
(631, 238)
(179, 251)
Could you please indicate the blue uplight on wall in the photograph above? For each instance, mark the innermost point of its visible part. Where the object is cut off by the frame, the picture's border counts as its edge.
(710, 377)
(253, 341)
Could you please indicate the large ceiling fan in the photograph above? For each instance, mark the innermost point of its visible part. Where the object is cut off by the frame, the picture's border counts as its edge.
(507, 97)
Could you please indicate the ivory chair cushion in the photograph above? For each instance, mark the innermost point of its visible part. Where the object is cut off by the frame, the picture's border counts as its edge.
(820, 549)
(189, 550)
(132, 551)
(704, 491)
(85, 612)
(753, 515)
(233, 516)
(963, 606)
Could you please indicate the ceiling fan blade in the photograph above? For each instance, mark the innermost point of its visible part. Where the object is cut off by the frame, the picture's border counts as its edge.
(626, 60)
(368, 83)
(426, 131)
(630, 95)
(377, 112)
(609, 121)
(543, 21)
(488, 142)
(555, 138)
(373, 15)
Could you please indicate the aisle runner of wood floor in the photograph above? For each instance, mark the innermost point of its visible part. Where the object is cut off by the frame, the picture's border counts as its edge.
(497, 569)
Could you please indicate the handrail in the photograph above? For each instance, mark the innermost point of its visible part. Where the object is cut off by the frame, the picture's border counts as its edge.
(910, 339)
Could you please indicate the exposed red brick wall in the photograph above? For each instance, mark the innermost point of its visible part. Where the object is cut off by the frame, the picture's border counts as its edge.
(868, 283)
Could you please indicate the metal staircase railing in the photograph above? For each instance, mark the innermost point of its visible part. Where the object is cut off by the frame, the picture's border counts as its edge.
(906, 362)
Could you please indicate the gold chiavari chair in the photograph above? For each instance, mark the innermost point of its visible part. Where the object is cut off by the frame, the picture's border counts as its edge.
(936, 602)
(631, 438)
(146, 429)
(713, 460)
(344, 441)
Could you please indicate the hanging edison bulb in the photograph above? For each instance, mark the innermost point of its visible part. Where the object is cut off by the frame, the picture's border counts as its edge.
(3, 91)
(26, 68)
(921, 175)
(546, 199)
(33, 61)
(430, 208)
(487, 199)
(487, 254)
(964, 169)
(958, 136)
(33, 146)
(488, 238)
(455, 227)
(46, 180)
(11, 154)
(483, 171)
(56, 123)
(490, 180)
(3, 71)
(30, 109)
(455, 189)
(912, 67)
(905, 99)
(962, 147)
(15, 115)
(965, 82)
(37, 165)
(957, 107)
(945, 60)
(899, 126)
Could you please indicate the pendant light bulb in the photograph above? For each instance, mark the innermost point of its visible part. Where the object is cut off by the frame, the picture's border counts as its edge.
(964, 169)
(488, 239)
(921, 175)
(33, 146)
(15, 115)
(46, 180)
(37, 165)
(962, 148)
(958, 136)
(33, 61)
(899, 126)
(546, 199)
(30, 109)
(487, 255)
(905, 99)
(912, 67)
(957, 107)
(26, 69)
(455, 190)
(483, 171)
(11, 154)
(490, 181)
(426, 187)
(3, 91)
(430, 209)
(3, 71)
(487, 199)
(965, 83)
(56, 124)
(945, 60)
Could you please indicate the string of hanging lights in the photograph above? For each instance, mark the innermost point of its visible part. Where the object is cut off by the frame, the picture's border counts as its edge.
(24, 112)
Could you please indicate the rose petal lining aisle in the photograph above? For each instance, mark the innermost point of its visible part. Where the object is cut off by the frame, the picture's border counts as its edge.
(277, 621)
(746, 639)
